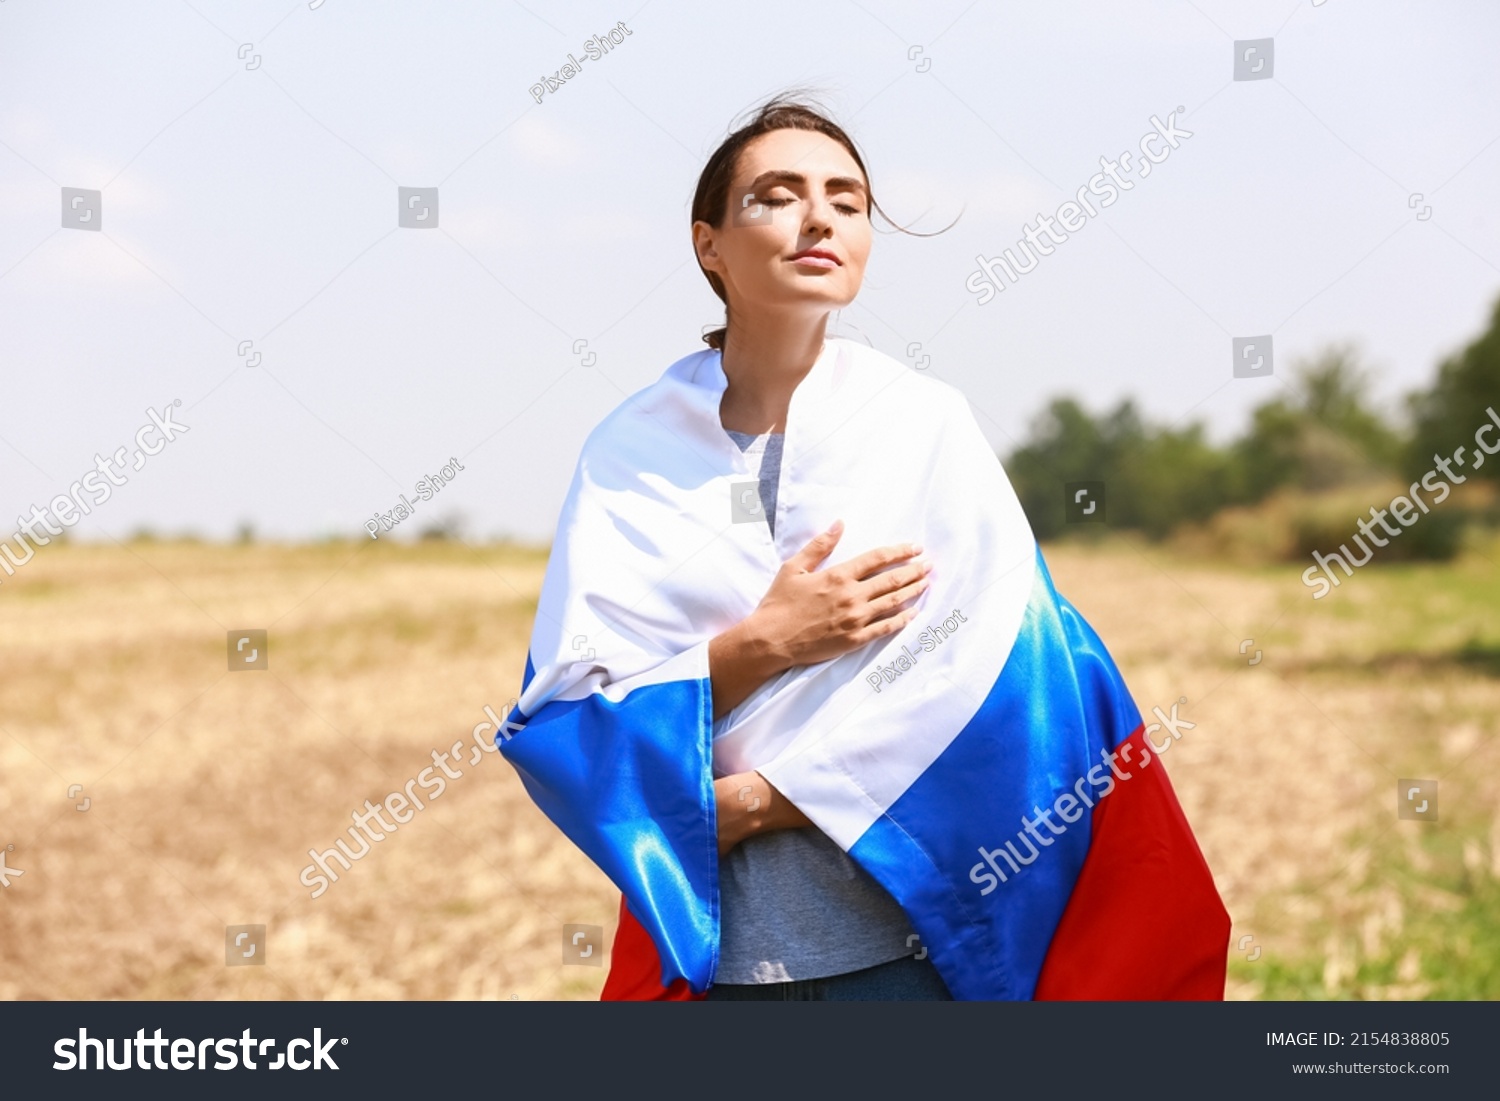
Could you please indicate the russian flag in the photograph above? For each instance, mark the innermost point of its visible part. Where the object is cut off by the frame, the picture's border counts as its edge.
(986, 764)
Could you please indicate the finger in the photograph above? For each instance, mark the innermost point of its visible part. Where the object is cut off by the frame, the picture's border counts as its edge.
(894, 579)
(862, 566)
(892, 602)
(818, 548)
(881, 628)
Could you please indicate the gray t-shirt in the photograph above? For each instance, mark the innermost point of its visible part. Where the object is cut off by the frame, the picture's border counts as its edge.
(793, 905)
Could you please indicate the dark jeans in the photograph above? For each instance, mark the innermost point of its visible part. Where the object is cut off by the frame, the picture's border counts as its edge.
(904, 980)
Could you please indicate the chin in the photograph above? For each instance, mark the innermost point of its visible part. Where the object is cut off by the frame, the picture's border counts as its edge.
(821, 289)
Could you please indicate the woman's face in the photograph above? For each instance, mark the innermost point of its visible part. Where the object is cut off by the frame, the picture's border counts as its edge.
(793, 192)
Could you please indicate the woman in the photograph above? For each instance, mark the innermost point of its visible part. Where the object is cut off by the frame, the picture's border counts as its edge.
(788, 756)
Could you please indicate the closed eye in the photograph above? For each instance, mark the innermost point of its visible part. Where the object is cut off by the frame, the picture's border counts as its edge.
(844, 208)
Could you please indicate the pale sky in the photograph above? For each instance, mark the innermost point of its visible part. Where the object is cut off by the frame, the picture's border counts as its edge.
(254, 198)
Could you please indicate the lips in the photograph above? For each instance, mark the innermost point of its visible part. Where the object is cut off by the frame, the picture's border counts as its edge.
(819, 256)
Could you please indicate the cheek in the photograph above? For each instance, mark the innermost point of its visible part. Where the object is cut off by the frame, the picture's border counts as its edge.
(750, 253)
(855, 267)
(858, 246)
(763, 251)
(784, 234)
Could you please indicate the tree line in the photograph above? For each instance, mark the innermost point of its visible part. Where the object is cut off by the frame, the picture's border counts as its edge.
(1320, 441)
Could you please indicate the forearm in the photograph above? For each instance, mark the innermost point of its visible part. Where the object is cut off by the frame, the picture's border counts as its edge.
(739, 661)
(748, 805)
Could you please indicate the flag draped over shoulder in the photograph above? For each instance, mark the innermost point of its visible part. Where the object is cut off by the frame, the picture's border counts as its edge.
(985, 764)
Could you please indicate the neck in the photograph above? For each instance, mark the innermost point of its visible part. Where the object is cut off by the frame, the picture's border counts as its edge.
(764, 359)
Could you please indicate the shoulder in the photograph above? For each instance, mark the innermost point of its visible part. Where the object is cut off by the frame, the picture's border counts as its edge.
(647, 412)
(874, 371)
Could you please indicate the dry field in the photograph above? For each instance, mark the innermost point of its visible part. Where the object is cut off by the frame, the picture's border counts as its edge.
(205, 789)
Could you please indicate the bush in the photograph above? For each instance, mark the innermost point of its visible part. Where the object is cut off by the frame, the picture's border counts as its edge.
(1446, 416)
(1290, 525)
(1315, 459)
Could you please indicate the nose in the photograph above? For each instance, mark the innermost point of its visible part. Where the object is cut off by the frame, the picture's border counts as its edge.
(819, 220)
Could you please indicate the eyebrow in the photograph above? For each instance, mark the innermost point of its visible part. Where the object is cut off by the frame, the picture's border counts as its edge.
(783, 175)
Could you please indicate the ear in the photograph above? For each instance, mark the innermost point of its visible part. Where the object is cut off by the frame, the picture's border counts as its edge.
(704, 240)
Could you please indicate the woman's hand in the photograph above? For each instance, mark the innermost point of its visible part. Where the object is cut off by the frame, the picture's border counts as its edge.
(747, 804)
(810, 615)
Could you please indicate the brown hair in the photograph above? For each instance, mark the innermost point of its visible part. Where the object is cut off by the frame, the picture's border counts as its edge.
(788, 111)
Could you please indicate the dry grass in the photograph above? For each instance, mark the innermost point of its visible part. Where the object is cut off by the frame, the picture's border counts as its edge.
(207, 788)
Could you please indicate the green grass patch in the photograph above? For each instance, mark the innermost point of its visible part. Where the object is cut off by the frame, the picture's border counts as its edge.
(1422, 927)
